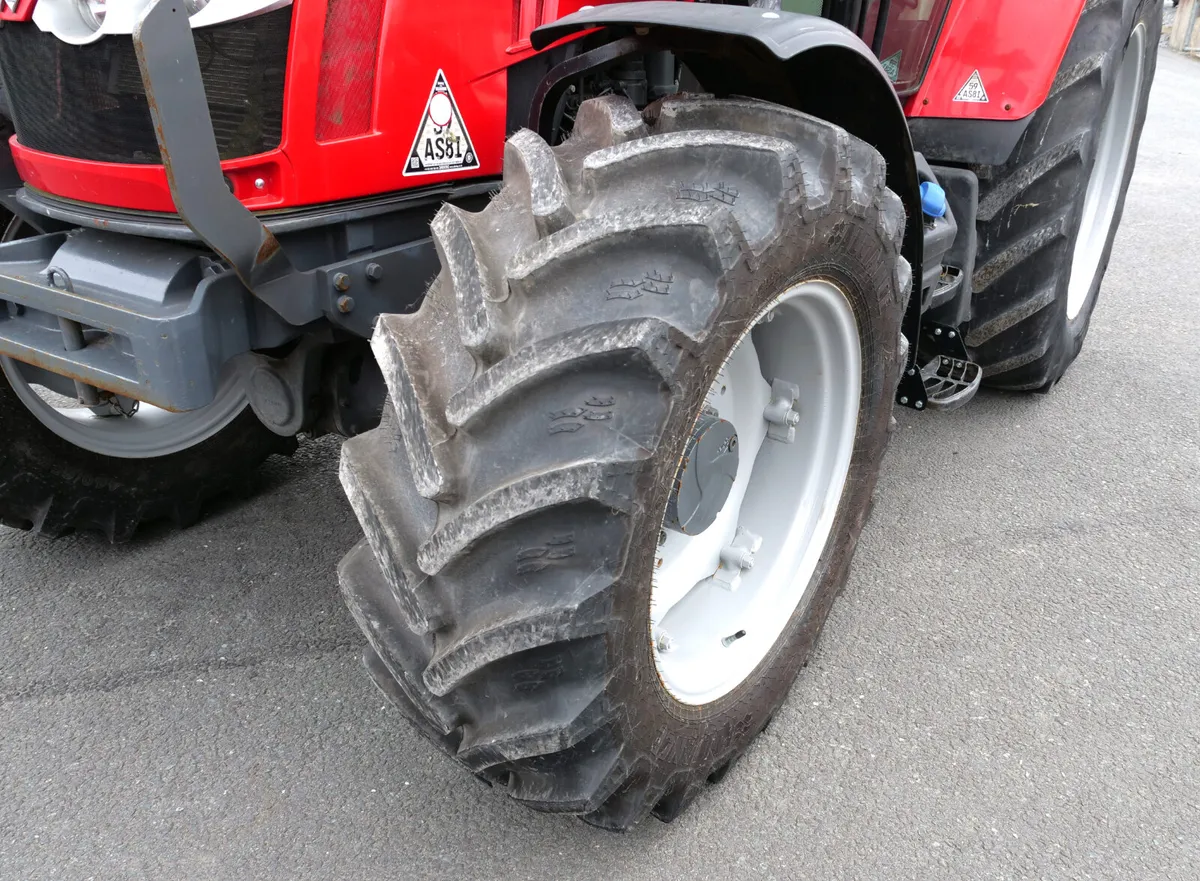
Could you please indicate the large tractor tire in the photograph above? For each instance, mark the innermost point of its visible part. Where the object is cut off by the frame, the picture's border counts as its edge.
(600, 543)
(1047, 219)
(64, 468)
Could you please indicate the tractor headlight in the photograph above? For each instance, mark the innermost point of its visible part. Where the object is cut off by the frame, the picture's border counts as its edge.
(85, 21)
(92, 12)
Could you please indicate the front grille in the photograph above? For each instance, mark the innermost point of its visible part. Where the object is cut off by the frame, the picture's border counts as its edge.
(87, 102)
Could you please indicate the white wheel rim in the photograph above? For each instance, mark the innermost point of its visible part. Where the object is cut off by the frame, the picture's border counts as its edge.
(786, 493)
(150, 432)
(1108, 173)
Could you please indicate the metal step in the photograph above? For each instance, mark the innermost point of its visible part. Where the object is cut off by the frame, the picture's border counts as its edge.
(947, 286)
(950, 383)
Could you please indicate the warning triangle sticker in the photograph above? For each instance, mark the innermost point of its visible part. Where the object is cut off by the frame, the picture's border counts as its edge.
(442, 143)
(891, 65)
(972, 91)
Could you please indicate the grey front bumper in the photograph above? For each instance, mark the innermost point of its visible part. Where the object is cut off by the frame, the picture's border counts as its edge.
(159, 320)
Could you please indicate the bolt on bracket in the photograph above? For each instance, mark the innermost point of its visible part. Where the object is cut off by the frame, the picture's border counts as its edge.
(780, 413)
(736, 558)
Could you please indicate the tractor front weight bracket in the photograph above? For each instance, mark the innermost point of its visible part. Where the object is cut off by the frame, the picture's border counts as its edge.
(175, 94)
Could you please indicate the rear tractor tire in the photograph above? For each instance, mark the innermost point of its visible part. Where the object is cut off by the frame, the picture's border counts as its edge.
(1047, 219)
(667, 349)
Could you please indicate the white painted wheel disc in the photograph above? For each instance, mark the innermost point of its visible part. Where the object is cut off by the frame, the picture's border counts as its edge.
(149, 433)
(706, 638)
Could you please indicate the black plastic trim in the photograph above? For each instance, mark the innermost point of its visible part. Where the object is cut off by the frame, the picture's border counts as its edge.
(969, 141)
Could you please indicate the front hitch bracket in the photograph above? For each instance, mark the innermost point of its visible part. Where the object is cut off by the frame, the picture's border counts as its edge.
(174, 87)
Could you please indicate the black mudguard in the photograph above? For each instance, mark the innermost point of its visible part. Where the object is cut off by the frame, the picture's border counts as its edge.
(800, 61)
(967, 141)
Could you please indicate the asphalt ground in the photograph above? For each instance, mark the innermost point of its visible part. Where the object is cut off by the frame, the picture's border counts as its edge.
(1007, 688)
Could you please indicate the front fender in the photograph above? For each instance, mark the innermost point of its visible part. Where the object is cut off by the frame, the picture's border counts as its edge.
(799, 61)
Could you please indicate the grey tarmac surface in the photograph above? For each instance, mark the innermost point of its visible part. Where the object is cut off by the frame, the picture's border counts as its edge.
(1007, 688)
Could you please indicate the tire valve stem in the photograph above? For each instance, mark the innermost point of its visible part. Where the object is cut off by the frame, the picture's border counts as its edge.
(732, 638)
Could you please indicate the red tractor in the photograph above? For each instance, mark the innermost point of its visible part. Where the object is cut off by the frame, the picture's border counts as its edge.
(613, 303)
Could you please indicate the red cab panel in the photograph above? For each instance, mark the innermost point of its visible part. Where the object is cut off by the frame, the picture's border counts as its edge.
(995, 60)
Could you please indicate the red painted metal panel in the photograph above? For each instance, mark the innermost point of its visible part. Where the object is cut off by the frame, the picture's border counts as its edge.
(144, 187)
(472, 41)
(1015, 45)
(22, 12)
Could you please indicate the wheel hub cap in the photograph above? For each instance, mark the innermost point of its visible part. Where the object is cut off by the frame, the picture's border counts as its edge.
(706, 475)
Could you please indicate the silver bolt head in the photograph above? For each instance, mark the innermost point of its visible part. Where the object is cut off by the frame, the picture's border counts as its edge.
(260, 184)
(919, 405)
(903, 400)
(663, 642)
(937, 331)
(792, 418)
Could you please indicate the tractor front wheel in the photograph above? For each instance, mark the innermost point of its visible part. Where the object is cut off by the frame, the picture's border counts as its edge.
(631, 441)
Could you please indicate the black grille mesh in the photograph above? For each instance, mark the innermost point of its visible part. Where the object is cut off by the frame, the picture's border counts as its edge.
(87, 102)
